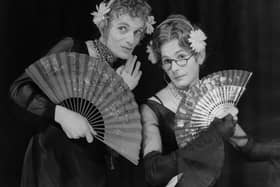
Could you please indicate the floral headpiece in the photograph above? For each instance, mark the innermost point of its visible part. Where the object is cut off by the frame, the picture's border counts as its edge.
(196, 39)
(101, 11)
(104, 8)
(149, 24)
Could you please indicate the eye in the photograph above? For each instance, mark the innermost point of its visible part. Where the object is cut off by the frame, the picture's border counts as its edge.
(123, 29)
(166, 61)
(182, 56)
(138, 32)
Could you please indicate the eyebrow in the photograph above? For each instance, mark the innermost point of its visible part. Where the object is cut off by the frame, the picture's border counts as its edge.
(181, 50)
(176, 53)
(128, 25)
(123, 23)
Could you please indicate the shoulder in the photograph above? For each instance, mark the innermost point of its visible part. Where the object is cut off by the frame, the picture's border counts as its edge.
(68, 44)
(167, 99)
(153, 105)
(163, 94)
(151, 109)
(79, 47)
(65, 44)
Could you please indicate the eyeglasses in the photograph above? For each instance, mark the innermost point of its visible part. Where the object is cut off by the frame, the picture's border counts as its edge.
(167, 63)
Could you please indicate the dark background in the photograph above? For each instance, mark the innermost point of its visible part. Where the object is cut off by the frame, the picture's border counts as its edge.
(242, 34)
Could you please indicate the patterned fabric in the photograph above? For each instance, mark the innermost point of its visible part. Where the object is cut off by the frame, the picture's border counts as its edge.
(98, 49)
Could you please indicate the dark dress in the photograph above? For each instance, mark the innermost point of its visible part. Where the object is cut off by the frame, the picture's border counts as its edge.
(52, 159)
(200, 162)
(206, 161)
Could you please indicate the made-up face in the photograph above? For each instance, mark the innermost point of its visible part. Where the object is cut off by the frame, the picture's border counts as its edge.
(124, 34)
(180, 65)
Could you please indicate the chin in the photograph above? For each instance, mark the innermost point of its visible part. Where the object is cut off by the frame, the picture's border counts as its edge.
(181, 84)
(123, 56)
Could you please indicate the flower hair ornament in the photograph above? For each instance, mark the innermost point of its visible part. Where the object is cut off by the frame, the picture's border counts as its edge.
(100, 14)
(149, 24)
(104, 8)
(196, 40)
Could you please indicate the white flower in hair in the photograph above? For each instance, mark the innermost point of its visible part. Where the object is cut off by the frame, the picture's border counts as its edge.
(99, 14)
(197, 40)
(151, 57)
(149, 24)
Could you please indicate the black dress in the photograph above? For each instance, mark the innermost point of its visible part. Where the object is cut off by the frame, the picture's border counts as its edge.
(54, 160)
(200, 162)
(206, 161)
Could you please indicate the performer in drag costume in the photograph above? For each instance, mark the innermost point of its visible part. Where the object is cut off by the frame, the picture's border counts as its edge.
(63, 152)
(179, 48)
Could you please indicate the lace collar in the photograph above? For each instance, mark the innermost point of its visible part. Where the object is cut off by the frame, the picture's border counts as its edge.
(98, 49)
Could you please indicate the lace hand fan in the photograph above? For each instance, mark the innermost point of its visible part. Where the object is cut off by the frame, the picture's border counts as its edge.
(92, 88)
(213, 96)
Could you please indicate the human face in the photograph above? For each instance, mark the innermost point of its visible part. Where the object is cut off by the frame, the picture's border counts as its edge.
(180, 75)
(124, 33)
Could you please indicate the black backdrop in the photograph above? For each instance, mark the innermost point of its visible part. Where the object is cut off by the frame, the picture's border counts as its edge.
(242, 34)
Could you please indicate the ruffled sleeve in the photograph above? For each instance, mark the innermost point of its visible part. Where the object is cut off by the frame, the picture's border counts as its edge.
(29, 102)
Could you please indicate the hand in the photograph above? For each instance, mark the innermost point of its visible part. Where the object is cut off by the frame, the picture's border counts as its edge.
(130, 75)
(239, 137)
(225, 126)
(225, 110)
(73, 124)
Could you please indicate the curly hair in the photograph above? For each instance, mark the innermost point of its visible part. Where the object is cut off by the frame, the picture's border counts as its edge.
(174, 27)
(134, 8)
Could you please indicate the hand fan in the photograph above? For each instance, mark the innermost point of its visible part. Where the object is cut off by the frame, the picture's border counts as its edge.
(92, 88)
(213, 96)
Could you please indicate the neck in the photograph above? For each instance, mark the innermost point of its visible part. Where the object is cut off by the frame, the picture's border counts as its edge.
(184, 88)
(179, 92)
(102, 40)
(176, 92)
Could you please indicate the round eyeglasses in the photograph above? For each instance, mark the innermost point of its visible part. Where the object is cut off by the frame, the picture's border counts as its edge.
(167, 63)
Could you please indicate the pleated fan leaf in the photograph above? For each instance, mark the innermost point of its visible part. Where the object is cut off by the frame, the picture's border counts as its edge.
(92, 88)
(210, 97)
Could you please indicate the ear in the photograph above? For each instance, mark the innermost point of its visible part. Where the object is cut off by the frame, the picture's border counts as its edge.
(103, 28)
(201, 57)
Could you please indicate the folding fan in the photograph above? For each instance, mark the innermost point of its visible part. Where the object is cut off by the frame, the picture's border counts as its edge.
(92, 88)
(213, 96)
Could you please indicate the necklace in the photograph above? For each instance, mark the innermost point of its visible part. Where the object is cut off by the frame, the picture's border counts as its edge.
(177, 93)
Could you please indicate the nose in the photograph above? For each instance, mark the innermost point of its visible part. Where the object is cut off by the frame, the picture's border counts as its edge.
(130, 39)
(174, 66)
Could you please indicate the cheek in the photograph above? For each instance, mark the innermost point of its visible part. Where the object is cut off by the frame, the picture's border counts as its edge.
(168, 73)
(193, 72)
(114, 37)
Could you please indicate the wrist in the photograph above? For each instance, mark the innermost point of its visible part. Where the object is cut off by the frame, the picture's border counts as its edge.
(240, 141)
(246, 148)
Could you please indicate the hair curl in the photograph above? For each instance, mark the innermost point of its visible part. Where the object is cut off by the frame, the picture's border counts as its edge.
(134, 8)
(174, 27)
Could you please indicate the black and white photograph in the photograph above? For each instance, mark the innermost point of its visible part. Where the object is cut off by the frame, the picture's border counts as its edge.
(140, 93)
